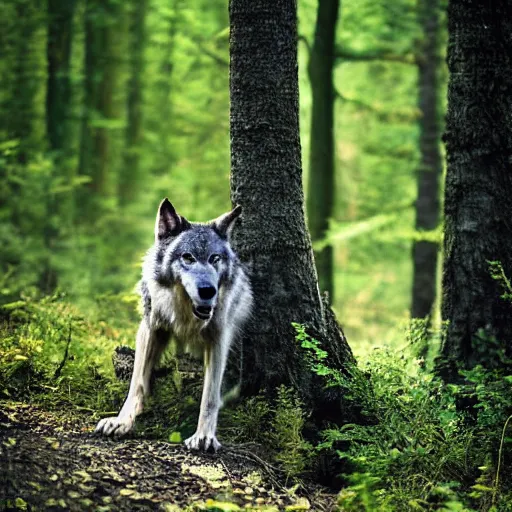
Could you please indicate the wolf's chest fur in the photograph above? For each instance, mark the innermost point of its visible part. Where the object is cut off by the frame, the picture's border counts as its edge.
(171, 310)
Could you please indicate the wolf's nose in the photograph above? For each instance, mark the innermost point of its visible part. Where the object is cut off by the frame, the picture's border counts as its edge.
(207, 292)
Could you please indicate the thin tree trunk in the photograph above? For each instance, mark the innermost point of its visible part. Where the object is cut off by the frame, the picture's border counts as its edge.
(101, 75)
(321, 183)
(430, 170)
(58, 105)
(266, 181)
(162, 124)
(478, 208)
(24, 119)
(130, 174)
(58, 94)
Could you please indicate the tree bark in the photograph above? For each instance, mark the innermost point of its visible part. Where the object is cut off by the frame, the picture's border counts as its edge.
(130, 173)
(478, 209)
(321, 183)
(430, 170)
(266, 180)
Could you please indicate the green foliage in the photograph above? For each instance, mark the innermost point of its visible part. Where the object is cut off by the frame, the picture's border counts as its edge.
(23, 219)
(277, 423)
(424, 445)
(293, 452)
(51, 352)
(246, 420)
(498, 274)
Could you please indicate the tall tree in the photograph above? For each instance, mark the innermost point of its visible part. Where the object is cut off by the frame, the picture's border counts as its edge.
(430, 169)
(58, 93)
(478, 209)
(130, 174)
(24, 114)
(22, 172)
(58, 107)
(164, 154)
(102, 35)
(321, 183)
(266, 181)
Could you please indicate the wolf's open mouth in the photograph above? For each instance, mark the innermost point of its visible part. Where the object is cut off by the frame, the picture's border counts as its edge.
(202, 312)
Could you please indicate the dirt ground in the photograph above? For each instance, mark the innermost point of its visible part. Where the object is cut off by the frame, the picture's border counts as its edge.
(52, 461)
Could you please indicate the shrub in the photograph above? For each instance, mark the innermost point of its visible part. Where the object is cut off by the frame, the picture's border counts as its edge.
(419, 450)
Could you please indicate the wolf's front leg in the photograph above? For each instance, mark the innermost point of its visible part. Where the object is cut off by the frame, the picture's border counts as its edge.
(147, 351)
(215, 358)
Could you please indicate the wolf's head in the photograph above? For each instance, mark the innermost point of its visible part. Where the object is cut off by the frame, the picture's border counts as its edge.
(195, 257)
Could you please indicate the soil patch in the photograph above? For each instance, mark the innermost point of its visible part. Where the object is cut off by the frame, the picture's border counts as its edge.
(52, 461)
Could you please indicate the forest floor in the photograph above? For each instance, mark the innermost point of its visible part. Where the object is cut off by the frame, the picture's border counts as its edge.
(52, 461)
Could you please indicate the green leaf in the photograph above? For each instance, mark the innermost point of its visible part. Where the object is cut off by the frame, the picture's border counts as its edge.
(20, 503)
(175, 437)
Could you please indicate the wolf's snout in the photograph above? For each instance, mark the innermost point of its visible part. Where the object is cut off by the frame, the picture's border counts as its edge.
(207, 292)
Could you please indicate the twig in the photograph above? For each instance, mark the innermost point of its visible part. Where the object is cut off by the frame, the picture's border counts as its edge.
(227, 471)
(270, 470)
(496, 482)
(66, 354)
(212, 54)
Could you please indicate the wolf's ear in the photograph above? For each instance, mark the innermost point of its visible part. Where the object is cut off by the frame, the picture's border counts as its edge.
(225, 223)
(168, 222)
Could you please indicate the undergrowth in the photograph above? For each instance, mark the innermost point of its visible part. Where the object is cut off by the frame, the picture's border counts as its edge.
(277, 424)
(50, 352)
(425, 446)
(421, 445)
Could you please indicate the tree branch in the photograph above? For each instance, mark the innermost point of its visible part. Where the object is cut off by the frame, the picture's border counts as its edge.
(351, 55)
(361, 104)
(404, 116)
(219, 59)
(303, 39)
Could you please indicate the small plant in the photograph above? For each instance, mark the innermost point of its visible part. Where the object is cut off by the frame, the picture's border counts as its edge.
(246, 421)
(293, 452)
(498, 274)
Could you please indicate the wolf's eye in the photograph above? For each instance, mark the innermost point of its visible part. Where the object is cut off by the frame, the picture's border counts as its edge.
(188, 258)
(214, 258)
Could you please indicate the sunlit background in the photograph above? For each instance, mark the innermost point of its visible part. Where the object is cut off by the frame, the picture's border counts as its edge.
(148, 117)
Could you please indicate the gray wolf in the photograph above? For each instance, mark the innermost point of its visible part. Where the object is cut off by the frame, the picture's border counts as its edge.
(195, 290)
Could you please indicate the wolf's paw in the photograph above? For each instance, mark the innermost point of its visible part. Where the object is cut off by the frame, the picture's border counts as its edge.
(115, 426)
(200, 441)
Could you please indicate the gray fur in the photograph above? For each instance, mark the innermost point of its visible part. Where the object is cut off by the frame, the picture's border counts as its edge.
(193, 289)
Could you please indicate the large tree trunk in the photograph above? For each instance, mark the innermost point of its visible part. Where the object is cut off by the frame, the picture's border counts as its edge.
(321, 183)
(429, 172)
(130, 174)
(266, 181)
(478, 208)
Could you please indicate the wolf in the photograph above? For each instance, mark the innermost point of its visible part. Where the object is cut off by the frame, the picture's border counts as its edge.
(195, 290)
